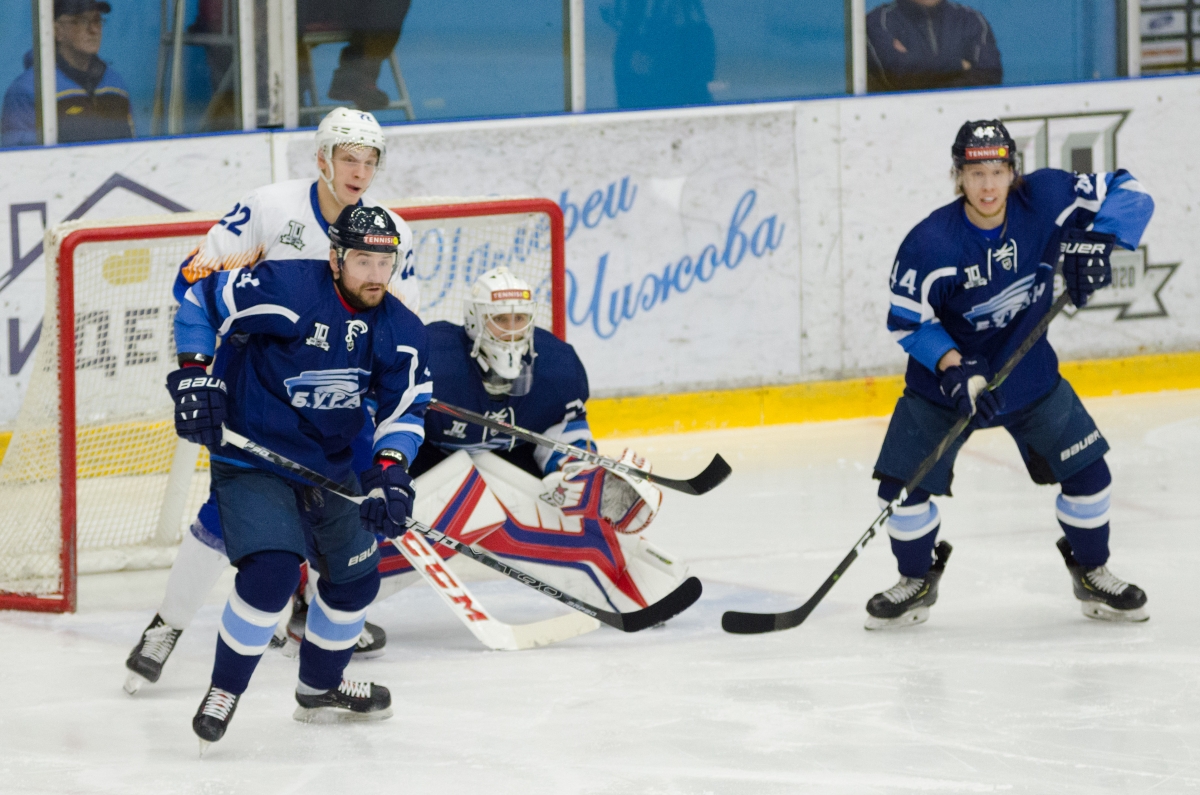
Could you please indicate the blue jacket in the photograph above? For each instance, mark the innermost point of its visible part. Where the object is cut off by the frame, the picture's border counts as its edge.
(955, 286)
(937, 40)
(93, 105)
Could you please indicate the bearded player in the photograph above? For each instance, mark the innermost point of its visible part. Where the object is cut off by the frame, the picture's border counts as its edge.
(285, 221)
(969, 283)
(299, 392)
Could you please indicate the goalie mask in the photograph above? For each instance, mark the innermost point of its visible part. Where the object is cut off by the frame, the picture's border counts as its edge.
(354, 130)
(499, 319)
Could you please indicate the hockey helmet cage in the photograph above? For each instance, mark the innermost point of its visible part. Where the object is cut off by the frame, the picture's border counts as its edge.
(983, 141)
(345, 127)
(365, 229)
(500, 292)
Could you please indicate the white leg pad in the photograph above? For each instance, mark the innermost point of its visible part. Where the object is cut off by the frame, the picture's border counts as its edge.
(193, 575)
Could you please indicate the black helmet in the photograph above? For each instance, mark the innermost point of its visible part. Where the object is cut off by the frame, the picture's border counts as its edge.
(364, 229)
(981, 141)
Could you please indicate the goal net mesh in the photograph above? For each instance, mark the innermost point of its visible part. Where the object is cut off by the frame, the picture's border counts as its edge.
(136, 487)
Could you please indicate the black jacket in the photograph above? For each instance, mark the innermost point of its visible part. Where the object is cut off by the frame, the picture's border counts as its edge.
(937, 41)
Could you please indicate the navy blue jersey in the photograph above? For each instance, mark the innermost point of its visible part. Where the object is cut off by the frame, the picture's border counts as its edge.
(956, 286)
(302, 361)
(554, 405)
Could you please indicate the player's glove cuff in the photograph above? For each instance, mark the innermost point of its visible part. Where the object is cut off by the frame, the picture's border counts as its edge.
(1086, 262)
(201, 404)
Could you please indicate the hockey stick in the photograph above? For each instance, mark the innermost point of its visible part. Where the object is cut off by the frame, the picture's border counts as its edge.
(754, 623)
(712, 476)
(666, 608)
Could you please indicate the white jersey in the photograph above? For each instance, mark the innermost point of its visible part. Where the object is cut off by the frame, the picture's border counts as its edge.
(283, 221)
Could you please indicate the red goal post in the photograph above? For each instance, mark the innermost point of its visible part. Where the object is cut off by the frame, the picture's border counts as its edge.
(93, 478)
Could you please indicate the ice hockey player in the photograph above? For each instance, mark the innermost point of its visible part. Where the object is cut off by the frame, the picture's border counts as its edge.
(284, 221)
(296, 388)
(572, 524)
(969, 283)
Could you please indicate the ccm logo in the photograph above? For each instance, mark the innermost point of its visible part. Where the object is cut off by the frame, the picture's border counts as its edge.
(1083, 248)
(196, 383)
(363, 556)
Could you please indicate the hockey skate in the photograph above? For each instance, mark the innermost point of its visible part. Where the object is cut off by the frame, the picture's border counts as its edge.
(1101, 594)
(213, 716)
(146, 661)
(358, 701)
(907, 603)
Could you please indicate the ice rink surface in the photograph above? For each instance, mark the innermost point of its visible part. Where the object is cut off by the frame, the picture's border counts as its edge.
(1006, 688)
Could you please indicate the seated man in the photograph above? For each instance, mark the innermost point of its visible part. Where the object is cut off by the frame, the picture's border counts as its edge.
(374, 28)
(303, 401)
(920, 44)
(93, 102)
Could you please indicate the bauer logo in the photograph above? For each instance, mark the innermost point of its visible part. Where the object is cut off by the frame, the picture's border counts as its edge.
(364, 556)
(328, 389)
(1080, 446)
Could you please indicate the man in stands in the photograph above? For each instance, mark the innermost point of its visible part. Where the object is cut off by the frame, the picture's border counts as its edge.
(93, 102)
(921, 44)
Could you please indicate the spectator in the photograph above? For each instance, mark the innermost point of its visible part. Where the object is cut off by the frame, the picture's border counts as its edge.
(919, 44)
(93, 102)
(665, 55)
(374, 28)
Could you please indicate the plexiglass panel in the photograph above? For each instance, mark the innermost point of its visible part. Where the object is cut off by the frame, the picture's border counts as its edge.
(919, 44)
(18, 121)
(664, 53)
(456, 58)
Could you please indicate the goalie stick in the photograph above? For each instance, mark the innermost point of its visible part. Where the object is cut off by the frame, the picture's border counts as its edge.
(712, 476)
(664, 609)
(741, 623)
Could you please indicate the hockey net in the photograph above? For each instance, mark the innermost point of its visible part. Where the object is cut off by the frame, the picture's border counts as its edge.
(94, 478)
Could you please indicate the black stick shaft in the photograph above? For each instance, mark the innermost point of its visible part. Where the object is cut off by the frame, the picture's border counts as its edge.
(713, 474)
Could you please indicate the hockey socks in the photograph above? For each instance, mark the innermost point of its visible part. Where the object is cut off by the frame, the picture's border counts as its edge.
(335, 620)
(1082, 511)
(912, 528)
(265, 582)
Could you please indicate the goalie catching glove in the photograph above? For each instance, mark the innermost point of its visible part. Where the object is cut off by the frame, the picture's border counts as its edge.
(200, 404)
(628, 504)
(389, 500)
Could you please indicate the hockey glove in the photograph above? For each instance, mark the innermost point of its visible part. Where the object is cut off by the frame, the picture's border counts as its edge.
(1086, 266)
(965, 385)
(200, 404)
(389, 500)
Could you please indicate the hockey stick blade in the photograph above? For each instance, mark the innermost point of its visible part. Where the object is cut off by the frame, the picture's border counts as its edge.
(740, 623)
(666, 608)
(712, 476)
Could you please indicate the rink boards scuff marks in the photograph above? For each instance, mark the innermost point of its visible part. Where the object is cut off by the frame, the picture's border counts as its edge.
(1007, 688)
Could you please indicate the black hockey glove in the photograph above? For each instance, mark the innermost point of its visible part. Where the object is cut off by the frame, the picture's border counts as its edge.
(389, 500)
(1086, 266)
(200, 404)
(965, 383)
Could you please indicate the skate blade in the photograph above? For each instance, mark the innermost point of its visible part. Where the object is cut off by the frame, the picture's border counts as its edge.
(204, 747)
(335, 715)
(134, 682)
(368, 655)
(918, 615)
(1102, 612)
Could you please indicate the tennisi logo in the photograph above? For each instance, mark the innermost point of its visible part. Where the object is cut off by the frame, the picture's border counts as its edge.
(511, 295)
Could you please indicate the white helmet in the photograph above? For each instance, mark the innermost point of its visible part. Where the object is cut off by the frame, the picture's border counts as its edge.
(500, 292)
(350, 128)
